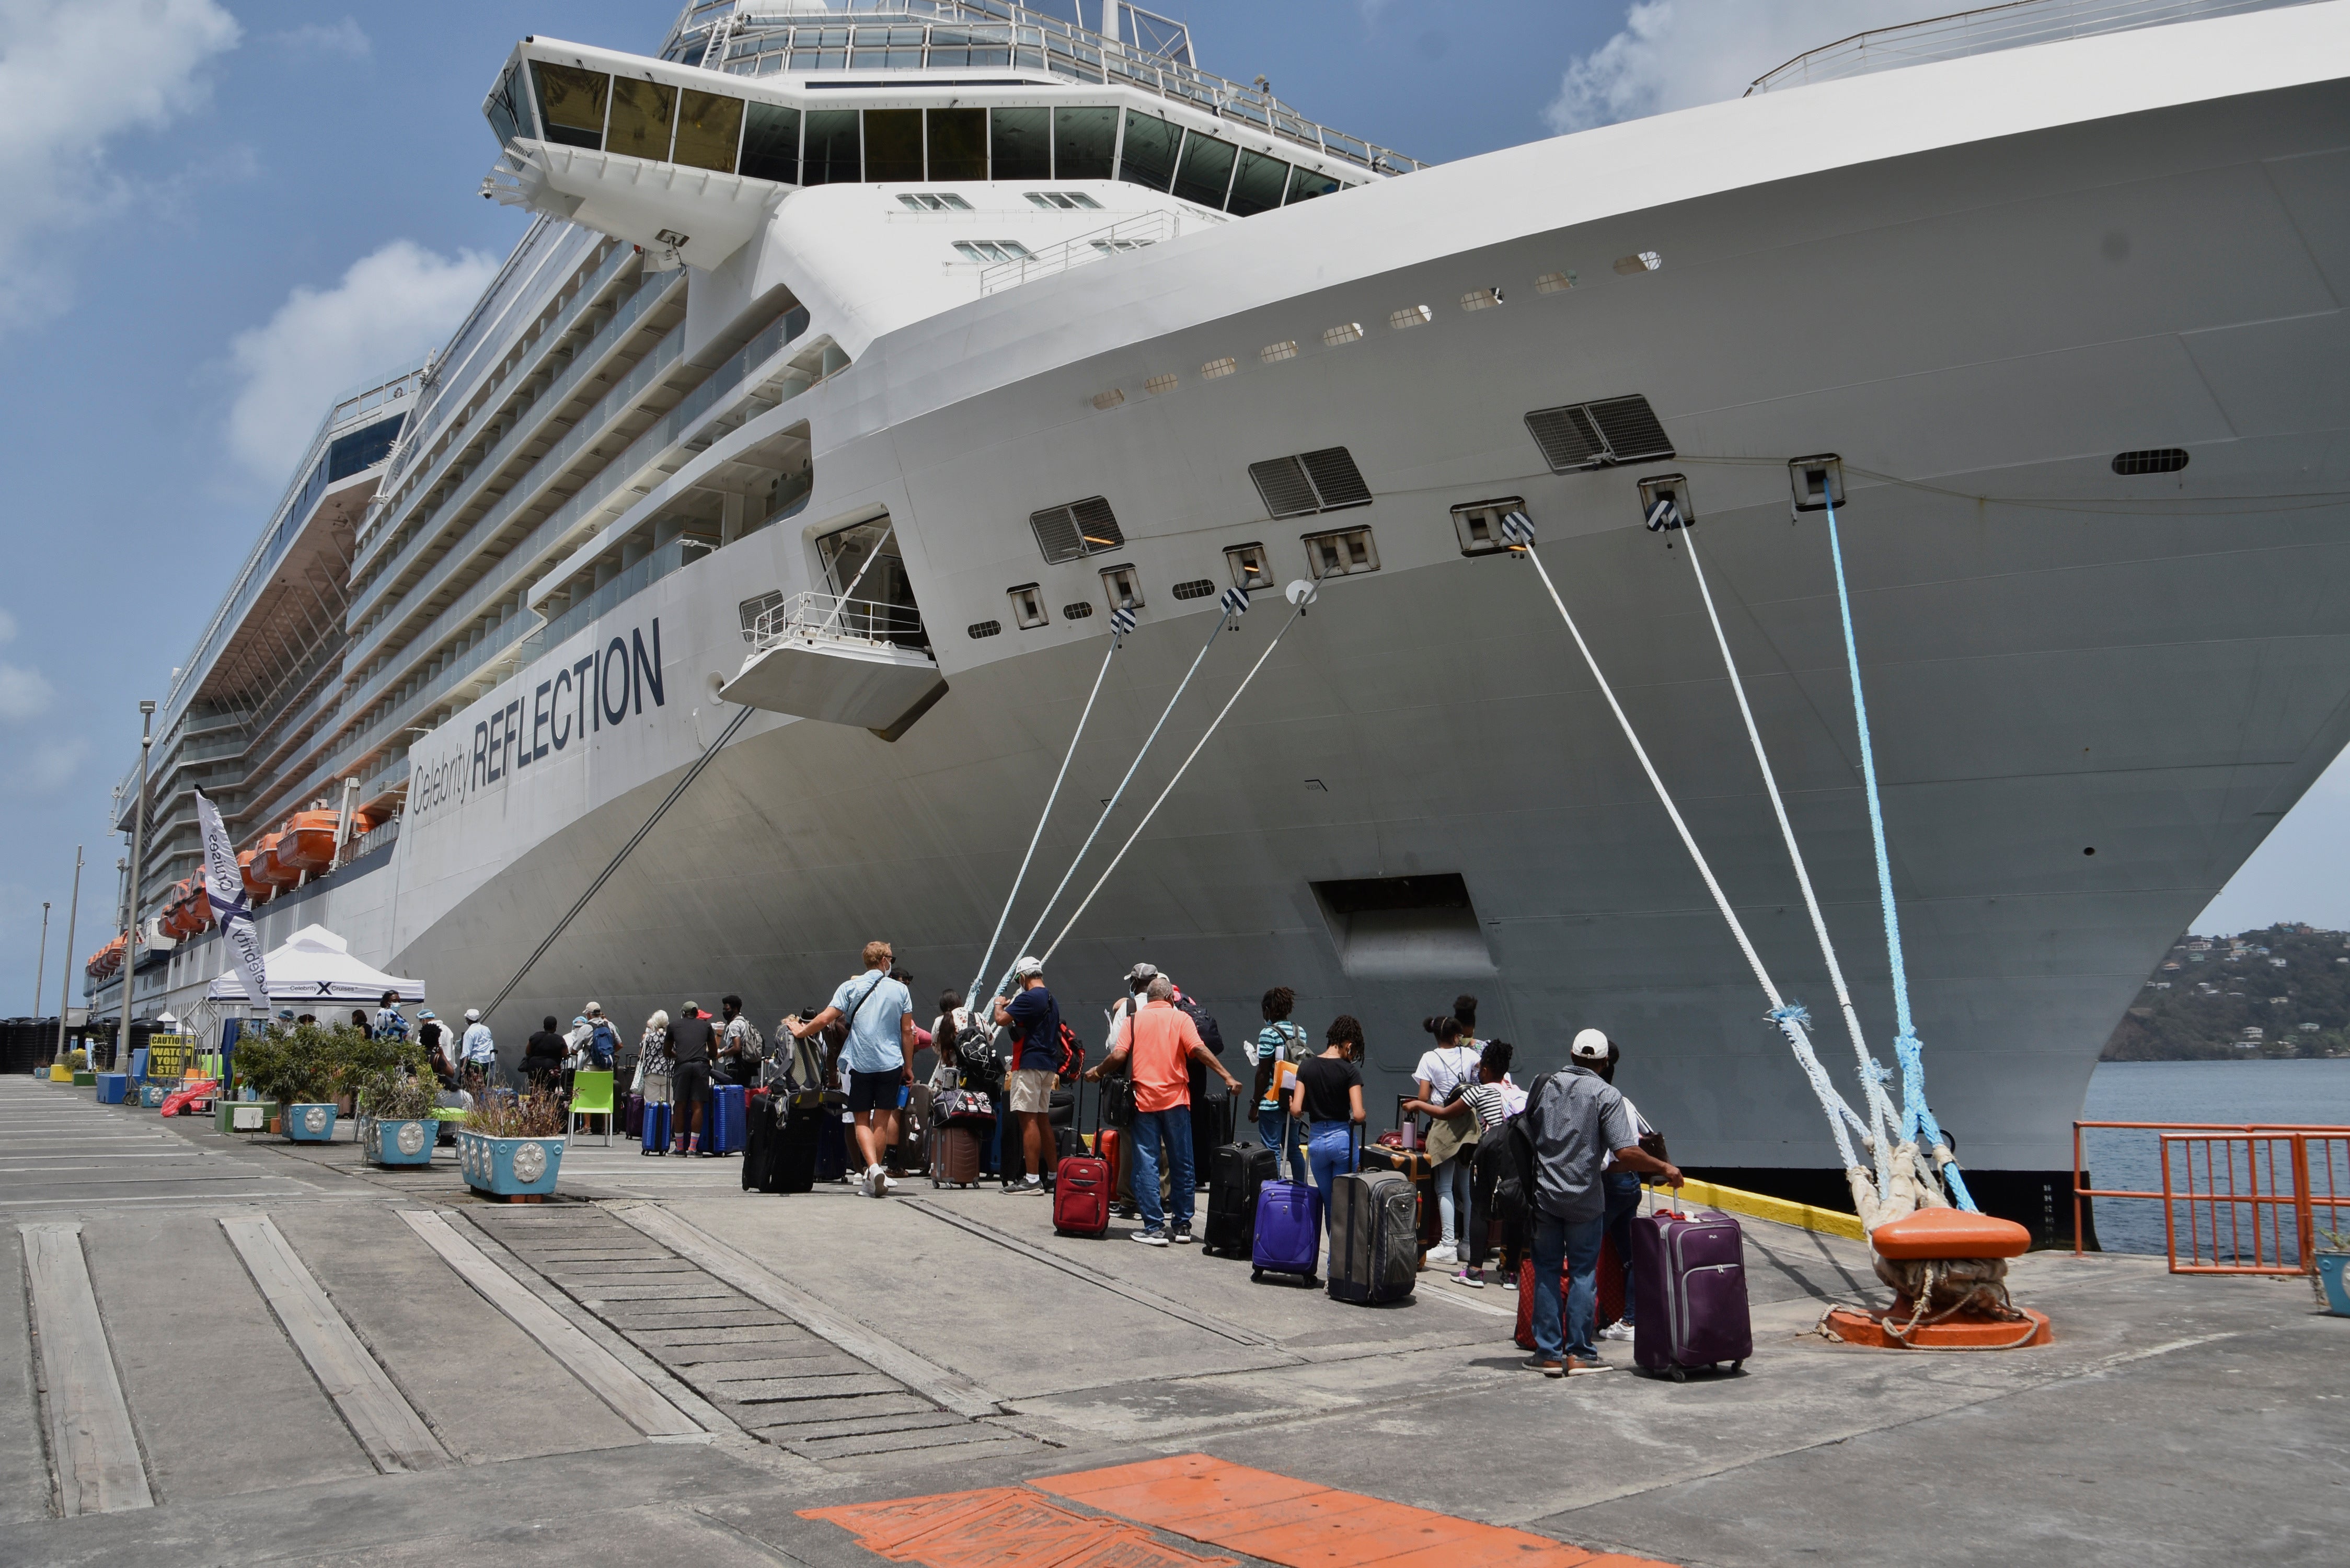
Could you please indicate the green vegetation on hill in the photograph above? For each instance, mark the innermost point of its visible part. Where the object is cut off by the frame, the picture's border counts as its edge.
(2253, 995)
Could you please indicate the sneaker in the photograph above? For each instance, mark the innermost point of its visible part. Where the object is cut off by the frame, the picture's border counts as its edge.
(884, 1185)
(1444, 1253)
(1473, 1278)
(1152, 1238)
(1616, 1331)
(1509, 1279)
(872, 1181)
(1183, 1237)
(1549, 1366)
(1578, 1367)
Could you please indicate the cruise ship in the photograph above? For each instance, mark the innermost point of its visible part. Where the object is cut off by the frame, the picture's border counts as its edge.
(867, 368)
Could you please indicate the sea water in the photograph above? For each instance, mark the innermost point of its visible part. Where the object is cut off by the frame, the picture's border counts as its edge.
(2234, 1093)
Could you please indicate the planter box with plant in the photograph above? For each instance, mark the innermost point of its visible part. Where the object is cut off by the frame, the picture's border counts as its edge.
(306, 1067)
(2332, 1255)
(512, 1147)
(395, 1118)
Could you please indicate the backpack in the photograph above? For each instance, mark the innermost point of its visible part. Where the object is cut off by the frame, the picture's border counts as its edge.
(1293, 1040)
(754, 1044)
(602, 1046)
(1073, 1053)
(1204, 1022)
(1519, 1141)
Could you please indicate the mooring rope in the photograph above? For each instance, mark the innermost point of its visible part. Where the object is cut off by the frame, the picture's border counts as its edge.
(1121, 621)
(1302, 601)
(1883, 1118)
(1792, 1019)
(1918, 1124)
(1233, 604)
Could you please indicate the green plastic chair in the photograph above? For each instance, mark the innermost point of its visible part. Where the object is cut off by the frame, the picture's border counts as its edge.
(591, 1096)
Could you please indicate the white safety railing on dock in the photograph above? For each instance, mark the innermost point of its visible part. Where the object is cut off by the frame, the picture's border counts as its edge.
(810, 619)
(1991, 29)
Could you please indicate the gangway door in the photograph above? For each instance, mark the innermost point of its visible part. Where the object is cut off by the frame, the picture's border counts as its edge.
(844, 661)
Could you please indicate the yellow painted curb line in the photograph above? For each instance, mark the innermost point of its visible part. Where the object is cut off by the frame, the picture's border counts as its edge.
(1732, 1200)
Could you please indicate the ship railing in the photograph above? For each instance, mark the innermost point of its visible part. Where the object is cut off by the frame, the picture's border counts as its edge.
(2238, 1198)
(813, 620)
(1126, 234)
(1991, 29)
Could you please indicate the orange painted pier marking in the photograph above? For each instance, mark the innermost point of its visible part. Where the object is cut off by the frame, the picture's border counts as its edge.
(1273, 1517)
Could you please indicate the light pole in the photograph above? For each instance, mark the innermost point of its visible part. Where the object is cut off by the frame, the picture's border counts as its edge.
(41, 970)
(138, 849)
(65, 981)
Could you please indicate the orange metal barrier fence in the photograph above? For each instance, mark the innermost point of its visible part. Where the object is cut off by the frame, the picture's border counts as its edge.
(2239, 1199)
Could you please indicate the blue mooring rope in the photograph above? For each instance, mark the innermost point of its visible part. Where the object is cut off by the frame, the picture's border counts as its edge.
(1917, 1116)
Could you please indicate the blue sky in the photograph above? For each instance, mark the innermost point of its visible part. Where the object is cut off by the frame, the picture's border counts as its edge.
(215, 214)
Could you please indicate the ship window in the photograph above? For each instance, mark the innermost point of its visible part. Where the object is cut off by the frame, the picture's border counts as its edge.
(1028, 605)
(1480, 299)
(571, 103)
(1206, 170)
(1158, 384)
(1020, 142)
(1479, 524)
(1077, 611)
(1554, 282)
(1197, 589)
(1325, 480)
(1147, 156)
(508, 117)
(1082, 528)
(832, 148)
(642, 116)
(893, 144)
(984, 629)
(1346, 332)
(1085, 143)
(771, 143)
(708, 128)
(751, 609)
(992, 250)
(1341, 552)
(958, 143)
(933, 201)
(1305, 184)
(1064, 201)
(1272, 352)
(1257, 184)
(1410, 316)
(1250, 567)
(1215, 367)
(1121, 587)
(884, 604)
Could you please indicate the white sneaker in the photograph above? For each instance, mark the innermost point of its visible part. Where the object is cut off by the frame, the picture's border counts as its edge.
(1616, 1331)
(1443, 1252)
(885, 1185)
(873, 1180)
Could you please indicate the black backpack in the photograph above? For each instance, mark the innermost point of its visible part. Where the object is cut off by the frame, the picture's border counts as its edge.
(1519, 1140)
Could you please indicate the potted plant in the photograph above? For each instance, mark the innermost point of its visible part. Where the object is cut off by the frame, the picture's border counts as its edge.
(298, 1069)
(2332, 1256)
(512, 1146)
(395, 1118)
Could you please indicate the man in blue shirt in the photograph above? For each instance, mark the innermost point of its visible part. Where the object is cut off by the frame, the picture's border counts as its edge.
(879, 1055)
(1034, 1020)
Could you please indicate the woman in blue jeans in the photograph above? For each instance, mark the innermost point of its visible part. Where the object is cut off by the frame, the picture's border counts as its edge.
(1328, 1098)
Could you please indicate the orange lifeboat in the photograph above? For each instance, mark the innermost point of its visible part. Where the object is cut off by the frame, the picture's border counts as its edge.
(179, 917)
(308, 842)
(269, 864)
(107, 960)
(254, 888)
(199, 916)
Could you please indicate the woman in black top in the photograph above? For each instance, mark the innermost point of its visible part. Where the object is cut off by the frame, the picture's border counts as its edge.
(542, 1060)
(1329, 1098)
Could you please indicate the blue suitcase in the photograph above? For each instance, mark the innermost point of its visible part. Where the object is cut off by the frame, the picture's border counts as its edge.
(726, 1129)
(1288, 1230)
(657, 1128)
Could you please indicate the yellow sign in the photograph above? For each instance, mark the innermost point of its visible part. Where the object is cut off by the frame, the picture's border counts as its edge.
(167, 1055)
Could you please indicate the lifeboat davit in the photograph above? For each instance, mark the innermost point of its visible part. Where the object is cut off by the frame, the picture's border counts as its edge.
(254, 888)
(269, 864)
(307, 844)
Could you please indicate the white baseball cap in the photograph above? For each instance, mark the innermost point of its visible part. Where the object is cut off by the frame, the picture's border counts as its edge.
(1590, 1045)
(472, 1016)
(1027, 967)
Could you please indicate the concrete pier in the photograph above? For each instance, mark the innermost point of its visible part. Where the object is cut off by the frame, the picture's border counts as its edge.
(661, 1363)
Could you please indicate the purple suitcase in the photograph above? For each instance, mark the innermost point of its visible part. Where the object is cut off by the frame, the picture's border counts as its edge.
(1288, 1229)
(1689, 1278)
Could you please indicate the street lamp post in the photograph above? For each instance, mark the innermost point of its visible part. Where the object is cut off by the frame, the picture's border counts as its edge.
(138, 850)
(65, 981)
(41, 970)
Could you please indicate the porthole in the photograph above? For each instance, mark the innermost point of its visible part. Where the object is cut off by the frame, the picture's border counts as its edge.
(1158, 384)
(1215, 367)
(1271, 353)
(1077, 611)
(1346, 332)
(1197, 589)
(1554, 282)
(1410, 316)
(984, 629)
(1480, 299)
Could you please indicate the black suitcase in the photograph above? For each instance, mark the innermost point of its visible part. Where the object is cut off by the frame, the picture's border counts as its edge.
(759, 1139)
(1235, 1173)
(1211, 1129)
(1374, 1236)
(796, 1141)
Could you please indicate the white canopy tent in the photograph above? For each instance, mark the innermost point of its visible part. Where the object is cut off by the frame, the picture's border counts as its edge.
(314, 966)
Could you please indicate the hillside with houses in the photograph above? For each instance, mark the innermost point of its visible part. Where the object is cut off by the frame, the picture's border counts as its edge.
(2276, 993)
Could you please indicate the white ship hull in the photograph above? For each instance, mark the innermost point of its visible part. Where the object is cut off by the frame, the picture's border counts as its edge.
(1975, 282)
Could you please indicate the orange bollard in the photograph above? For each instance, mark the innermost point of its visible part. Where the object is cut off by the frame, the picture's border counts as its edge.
(1948, 1268)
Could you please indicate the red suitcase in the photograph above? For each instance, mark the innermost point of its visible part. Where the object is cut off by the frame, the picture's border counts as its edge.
(1610, 1305)
(1081, 1190)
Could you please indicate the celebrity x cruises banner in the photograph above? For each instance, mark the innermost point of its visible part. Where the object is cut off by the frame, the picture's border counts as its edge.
(232, 905)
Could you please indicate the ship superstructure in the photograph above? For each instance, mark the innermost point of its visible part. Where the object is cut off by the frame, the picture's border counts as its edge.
(845, 395)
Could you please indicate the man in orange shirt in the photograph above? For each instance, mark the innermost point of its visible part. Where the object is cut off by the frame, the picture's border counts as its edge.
(1162, 1041)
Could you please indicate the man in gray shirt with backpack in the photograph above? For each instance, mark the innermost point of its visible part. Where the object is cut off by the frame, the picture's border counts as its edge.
(1574, 1119)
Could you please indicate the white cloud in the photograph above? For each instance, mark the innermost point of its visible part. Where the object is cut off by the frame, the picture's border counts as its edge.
(24, 693)
(74, 76)
(339, 40)
(1675, 54)
(390, 306)
(47, 765)
(8, 626)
